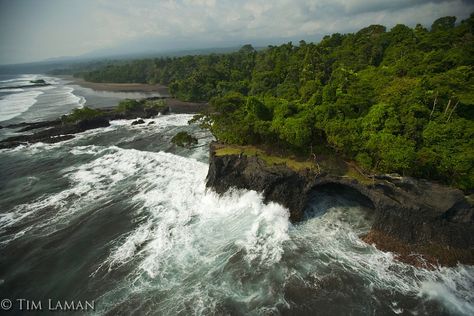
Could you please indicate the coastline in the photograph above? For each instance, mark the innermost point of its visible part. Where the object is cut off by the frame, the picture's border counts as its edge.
(119, 87)
(56, 130)
(424, 223)
(175, 105)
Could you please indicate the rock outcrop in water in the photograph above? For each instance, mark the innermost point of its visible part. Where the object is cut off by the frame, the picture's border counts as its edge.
(138, 122)
(63, 129)
(55, 133)
(184, 139)
(411, 216)
(33, 84)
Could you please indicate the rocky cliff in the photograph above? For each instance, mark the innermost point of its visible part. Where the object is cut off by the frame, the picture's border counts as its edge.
(411, 216)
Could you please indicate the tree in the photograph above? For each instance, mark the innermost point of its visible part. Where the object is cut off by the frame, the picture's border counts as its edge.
(397, 101)
(443, 24)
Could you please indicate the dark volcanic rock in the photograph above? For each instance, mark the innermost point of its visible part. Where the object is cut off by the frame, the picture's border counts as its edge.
(151, 123)
(137, 122)
(38, 81)
(36, 125)
(416, 212)
(61, 129)
(33, 85)
(55, 134)
(92, 123)
(278, 183)
(165, 110)
(112, 114)
(58, 130)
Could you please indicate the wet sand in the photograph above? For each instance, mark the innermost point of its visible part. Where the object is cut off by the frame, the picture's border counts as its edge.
(176, 106)
(121, 87)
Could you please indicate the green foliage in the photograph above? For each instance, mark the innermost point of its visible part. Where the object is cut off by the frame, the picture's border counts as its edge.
(295, 131)
(443, 24)
(38, 81)
(154, 104)
(392, 153)
(394, 101)
(184, 139)
(129, 105)
(228, 115)
(364, 160)
(448, 152)
(257, 110)
(81, 114)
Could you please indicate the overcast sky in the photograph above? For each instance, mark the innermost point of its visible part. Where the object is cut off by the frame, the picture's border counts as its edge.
(32, 30)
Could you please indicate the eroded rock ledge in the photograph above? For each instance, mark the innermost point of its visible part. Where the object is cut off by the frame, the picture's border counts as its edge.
(411, 216)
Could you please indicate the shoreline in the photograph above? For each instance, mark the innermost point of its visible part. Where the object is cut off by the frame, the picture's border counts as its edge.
(175, 105)
(424, 223)
(118, 87)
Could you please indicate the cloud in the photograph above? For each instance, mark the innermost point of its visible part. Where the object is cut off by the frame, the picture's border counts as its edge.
(76, 27)
(277, 18)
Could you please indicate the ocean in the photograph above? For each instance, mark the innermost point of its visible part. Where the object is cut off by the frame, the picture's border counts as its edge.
(121, 218)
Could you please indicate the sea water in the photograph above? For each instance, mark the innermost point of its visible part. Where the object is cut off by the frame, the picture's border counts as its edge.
(120, 217)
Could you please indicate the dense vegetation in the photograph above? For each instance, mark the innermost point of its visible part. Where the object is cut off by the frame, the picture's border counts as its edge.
(131, 105)
(184, 139)
(127, 106)
(394, 101)
(81, 114)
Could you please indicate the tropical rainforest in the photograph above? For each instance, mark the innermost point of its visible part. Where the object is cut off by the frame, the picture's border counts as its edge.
(395, 101)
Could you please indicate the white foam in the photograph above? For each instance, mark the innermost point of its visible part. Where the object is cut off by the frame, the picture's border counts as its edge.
(20, 80)
(185, 236)
(337, 239)
(64, 95)
(452, 287)
(264, 240)
(14, 104)
(55, 101)
(12, 90)
(185, 230)
(163, 122)
(171, 192)
(50, 101)
(88, 183)
(10, 80)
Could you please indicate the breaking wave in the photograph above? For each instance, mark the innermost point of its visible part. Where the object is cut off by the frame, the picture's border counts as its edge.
(186, 250)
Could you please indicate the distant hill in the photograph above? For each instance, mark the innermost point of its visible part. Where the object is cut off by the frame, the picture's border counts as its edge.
(87, 62)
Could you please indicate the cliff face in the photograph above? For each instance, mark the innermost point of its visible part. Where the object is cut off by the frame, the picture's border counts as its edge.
(430, 218)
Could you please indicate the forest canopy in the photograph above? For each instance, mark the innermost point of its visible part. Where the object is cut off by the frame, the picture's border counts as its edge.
(398, 100)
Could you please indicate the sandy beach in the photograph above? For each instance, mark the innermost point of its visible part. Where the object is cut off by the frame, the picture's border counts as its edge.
(120, 87)
(176, 106)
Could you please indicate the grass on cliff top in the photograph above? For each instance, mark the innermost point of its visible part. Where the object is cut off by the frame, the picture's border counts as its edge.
(328, 162)
(271, 160)
(353, 173)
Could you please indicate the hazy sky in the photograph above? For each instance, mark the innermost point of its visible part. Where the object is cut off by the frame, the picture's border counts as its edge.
(33, 30)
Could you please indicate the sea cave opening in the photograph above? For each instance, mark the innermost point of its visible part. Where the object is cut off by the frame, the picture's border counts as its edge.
(343, 203)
